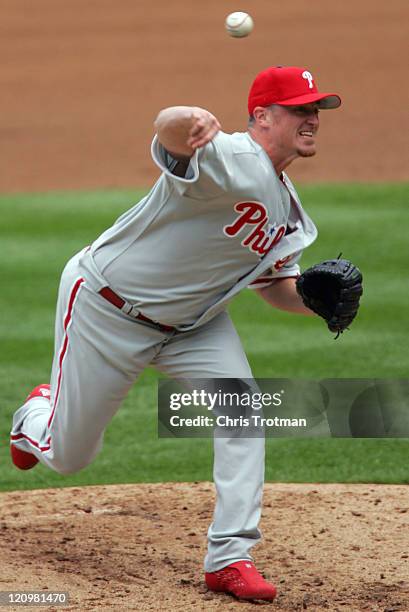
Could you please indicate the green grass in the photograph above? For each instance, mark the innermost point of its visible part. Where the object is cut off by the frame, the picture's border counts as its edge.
(366, 222)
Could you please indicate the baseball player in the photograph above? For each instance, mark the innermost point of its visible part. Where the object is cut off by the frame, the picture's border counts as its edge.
(153, 290)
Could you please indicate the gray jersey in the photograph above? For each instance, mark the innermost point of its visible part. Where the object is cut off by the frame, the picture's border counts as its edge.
(192, 243)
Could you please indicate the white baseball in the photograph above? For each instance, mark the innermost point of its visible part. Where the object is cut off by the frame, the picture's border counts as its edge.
(239, 24)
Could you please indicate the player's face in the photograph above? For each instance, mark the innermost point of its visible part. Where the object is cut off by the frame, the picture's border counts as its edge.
(294, 129)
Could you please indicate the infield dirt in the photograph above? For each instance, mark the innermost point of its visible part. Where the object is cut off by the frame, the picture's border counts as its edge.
(140, 547)
(81, 85)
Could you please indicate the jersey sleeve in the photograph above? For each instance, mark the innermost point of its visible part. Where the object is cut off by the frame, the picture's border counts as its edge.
(282, 268)
(167, 163)
(208, 173)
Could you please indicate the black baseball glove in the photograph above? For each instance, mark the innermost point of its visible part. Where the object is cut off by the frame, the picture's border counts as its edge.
(332, 289)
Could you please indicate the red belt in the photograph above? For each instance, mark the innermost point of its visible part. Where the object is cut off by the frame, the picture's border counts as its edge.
(117, 301)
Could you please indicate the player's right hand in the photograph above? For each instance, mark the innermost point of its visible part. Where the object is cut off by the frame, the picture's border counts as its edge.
(203, 129)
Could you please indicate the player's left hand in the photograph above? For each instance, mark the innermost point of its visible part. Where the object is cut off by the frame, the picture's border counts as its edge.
(332, 289)
(204, 127)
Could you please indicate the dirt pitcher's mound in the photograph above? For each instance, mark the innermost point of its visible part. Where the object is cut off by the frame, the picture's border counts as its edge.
(141, 547)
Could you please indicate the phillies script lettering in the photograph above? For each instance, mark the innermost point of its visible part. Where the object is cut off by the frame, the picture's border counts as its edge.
(261, 235)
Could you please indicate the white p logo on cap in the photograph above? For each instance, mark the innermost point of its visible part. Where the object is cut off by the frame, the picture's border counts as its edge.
(308, 76)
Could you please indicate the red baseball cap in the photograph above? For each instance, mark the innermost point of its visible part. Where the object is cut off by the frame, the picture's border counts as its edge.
(288, 86)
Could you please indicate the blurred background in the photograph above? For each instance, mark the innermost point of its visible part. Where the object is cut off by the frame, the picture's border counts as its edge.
(82, 81)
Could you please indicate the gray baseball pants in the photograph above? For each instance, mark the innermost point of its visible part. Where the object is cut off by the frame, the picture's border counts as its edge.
(99, 354)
